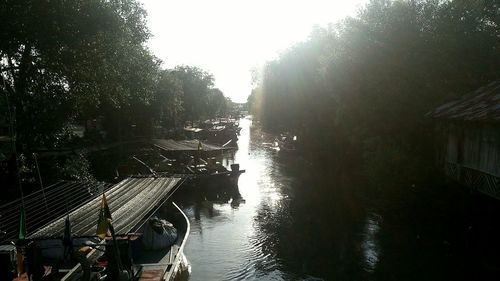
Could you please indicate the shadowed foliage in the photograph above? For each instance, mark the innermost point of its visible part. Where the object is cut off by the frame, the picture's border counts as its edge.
(358, 90)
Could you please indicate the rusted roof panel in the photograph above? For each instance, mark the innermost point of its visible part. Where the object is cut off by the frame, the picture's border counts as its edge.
(480, 105)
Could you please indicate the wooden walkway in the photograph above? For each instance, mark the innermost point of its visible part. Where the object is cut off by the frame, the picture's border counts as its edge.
(129, 201)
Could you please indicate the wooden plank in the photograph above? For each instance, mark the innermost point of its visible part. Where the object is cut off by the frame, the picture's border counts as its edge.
(152, 274)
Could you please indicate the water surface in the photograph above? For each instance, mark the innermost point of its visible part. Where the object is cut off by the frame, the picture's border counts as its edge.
(289, 221)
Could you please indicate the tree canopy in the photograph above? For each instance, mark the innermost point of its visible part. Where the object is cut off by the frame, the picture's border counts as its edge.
(64, 58)
(364, 85)
(62, 61)
(201, 99)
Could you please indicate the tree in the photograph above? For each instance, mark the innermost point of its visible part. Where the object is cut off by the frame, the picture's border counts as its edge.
(60, 58)
(196, 86)
(167, 104)
(364, 85)
(217, 103)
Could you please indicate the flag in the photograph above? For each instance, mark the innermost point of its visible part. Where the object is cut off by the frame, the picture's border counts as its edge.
(102, 229)
(104, 219)
(22, 225)
(67, 241)
(67, 230)
(20, 244)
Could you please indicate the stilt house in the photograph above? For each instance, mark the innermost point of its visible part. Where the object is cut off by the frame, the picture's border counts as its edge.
(468, 135)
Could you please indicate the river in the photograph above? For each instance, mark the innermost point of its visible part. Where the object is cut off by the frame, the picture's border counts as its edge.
(286, 222)
(227, 241)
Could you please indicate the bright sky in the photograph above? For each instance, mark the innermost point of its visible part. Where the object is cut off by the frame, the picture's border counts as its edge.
(230, 37)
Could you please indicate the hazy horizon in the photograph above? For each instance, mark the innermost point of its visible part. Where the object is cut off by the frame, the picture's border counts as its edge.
(228, 38)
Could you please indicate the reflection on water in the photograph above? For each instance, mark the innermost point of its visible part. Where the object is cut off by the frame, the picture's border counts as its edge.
(370, 245)
(226, 242)
(277, 227)
(287, 221)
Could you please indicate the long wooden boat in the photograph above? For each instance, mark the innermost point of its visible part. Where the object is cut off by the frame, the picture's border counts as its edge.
(95, 259)
(138, 262)
(194, 169)
(202, 176)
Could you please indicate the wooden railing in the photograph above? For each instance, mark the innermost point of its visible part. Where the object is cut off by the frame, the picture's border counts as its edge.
(479, 180)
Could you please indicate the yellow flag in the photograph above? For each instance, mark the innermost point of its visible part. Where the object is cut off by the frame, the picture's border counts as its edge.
(104, 219)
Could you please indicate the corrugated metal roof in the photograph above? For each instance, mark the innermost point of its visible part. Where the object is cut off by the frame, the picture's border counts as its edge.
(185, 145)
(480, 105)
(129, 201)
(44, 206)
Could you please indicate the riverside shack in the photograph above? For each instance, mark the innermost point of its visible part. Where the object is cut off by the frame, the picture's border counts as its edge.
(468, 137)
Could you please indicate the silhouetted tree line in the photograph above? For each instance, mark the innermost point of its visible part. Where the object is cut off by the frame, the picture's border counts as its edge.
(64, 62)
(359, 89)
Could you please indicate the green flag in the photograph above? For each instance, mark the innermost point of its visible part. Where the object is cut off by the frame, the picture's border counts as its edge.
(22, 225)
(104, 219)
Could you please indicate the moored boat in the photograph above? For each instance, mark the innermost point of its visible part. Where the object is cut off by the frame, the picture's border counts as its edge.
(193, 160)
(153, 252)
(160, 262)
(286, 142)
(71, 248)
